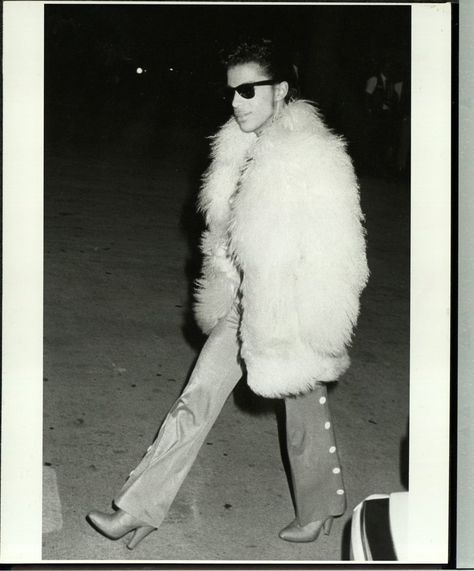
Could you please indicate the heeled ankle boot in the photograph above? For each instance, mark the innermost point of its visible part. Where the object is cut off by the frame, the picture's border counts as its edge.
(117, 525)
(305, 533)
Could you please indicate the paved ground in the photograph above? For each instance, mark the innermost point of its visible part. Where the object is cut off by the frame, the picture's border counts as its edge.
(119, 254)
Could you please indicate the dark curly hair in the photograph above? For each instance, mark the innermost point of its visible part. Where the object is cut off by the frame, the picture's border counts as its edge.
(274, 59)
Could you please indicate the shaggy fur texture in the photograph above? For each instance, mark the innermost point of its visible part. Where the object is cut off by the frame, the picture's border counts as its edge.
(284, 235)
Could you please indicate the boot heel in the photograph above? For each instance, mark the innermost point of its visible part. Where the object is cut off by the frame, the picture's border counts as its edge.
(327, 525)
(139, 534)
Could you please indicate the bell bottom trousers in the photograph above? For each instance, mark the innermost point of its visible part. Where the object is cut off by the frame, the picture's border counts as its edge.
(316, 473)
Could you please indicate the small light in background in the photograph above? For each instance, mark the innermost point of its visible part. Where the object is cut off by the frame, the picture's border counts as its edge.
(140, 70)
(171, 68)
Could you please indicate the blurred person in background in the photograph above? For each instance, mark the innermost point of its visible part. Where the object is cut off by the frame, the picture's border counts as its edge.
(382, 97)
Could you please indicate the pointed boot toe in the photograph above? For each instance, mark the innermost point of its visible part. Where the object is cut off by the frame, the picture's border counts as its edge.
(297, 533)
(117, 525)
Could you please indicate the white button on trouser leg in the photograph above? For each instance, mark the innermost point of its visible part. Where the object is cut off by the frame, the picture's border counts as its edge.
(313, 457)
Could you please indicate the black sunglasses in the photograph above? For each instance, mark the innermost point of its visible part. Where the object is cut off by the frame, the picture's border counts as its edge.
(245, 90)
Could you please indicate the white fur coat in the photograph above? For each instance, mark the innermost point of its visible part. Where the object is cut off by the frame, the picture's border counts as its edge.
(284, 234)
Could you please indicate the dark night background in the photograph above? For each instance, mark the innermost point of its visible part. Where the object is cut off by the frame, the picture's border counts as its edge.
(95, 100)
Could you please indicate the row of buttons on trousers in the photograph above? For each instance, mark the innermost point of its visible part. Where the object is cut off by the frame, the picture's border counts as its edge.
(332, 449)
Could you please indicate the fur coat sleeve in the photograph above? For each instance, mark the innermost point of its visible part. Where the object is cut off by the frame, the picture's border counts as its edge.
(218, 285)
(295, 237)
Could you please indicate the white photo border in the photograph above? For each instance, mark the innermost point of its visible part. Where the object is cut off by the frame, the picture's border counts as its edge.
(21, 507)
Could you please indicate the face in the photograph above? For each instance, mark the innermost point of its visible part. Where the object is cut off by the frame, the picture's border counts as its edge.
(252, 115)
